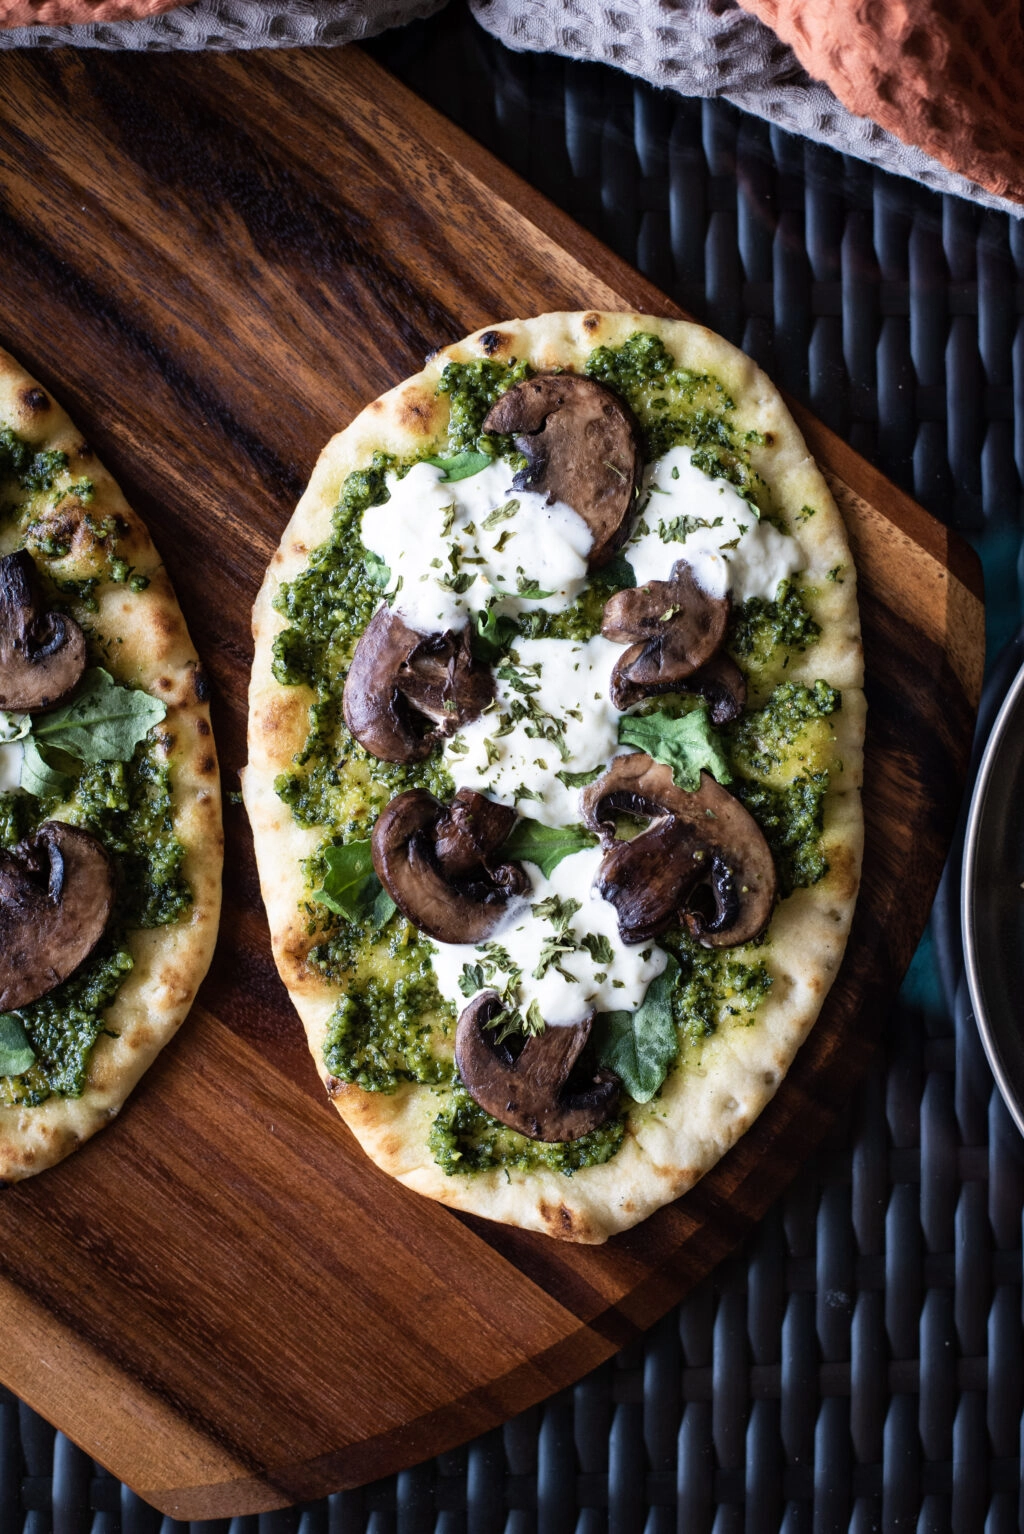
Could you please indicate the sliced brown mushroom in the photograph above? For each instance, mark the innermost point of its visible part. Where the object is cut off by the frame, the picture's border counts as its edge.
(541, 1091)
(724, 686)
(703, 860)
(56, 893)
(674, 630)
(470, 831)
(42, 652)
(406, 691)
(442, 867)
(582, 446)
(637, 675)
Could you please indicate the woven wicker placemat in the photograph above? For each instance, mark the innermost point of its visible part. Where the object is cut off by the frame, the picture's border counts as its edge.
(860, 1365)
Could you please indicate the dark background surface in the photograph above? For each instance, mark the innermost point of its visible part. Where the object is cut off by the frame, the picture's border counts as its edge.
(861, 1363)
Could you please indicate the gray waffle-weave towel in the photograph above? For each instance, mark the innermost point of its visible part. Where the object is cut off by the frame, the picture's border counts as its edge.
(696, 47)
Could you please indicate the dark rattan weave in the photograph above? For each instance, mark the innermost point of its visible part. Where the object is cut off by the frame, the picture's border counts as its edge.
(861, 1364)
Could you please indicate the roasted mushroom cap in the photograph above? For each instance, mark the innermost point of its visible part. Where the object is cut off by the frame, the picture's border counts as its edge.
(441, 866)
(724, 686)
(536, 1090)
(582, 447)
(703, 859)
(643, 673)
(405, 691)
(56, 891)
(42, 653)
(674, 630)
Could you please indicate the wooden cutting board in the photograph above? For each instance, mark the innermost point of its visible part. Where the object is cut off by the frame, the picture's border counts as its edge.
(213, 262)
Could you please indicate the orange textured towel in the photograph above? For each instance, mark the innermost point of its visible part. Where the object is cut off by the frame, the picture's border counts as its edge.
(28, 13)
(944, 75)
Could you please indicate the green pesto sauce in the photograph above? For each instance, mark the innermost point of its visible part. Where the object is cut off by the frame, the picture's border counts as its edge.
(391, 1025)
(792, 820)
(582, 619)
(64, 1025)
(472, 388)
(463, 1138)
(127, 805)
(712, 985)
(32, 487)
(384, 1029)
(381, 1034)
(31, 471)
(766, 738)
(758, 627)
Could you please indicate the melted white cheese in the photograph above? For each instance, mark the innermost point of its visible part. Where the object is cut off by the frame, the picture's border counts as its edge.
(567, 723)
(578, 982)
(552, 712)
(478, 534)
(13, 729)
(689, 516)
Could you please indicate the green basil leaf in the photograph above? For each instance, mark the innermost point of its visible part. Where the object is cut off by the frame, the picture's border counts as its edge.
(686, 744)
(461, 466)
(16, 1053)
(640, 1046)
(544, 845)
(376, 569)
(103, 722)
(38, 777)
(491, 635)
(351, 889)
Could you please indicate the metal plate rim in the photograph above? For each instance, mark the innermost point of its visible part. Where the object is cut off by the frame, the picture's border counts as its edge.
(1012, 1090)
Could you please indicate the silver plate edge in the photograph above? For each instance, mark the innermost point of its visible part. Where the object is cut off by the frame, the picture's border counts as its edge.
(1011, 703)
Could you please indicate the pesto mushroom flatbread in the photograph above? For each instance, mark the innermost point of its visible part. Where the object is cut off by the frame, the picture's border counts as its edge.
(556, 730)
(110, 825)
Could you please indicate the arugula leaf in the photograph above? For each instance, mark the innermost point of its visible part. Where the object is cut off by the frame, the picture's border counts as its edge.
(349, 872)
(461, 466)
(378, 572)
(382, 910)
(544, 845)
(16, 1053)
(351, 889)
(38, 777)
(580, 779)
(686, 744)
(103, 722)
(640, 1046)
(491, 634)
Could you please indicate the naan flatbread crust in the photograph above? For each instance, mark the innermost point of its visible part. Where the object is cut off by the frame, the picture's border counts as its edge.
(146, 644)
(720, 1084)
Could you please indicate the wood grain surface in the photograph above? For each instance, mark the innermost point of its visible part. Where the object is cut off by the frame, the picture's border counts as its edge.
(213, 262)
